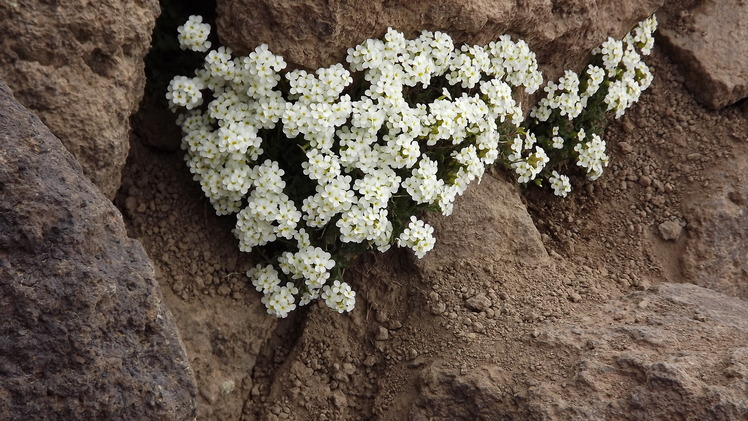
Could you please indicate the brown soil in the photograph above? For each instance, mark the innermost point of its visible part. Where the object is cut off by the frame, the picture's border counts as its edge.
(603, 241)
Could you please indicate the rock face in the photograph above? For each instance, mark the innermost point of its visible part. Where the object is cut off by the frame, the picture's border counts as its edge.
(710, 43)
(716, 253)
(314, 34)
(481, 227)
(677, 351)
(79, 66)
(85, 334)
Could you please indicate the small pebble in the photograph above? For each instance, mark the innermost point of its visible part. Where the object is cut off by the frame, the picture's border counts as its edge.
(478, 303)
(382, 334)
(671, 230)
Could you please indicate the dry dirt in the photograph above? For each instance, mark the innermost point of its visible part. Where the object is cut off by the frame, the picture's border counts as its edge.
(481, 306)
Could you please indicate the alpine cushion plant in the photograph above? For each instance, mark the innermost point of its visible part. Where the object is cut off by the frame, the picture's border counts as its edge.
(321, 167)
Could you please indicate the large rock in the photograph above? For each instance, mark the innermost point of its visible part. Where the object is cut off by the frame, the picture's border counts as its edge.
(78, 65)
(313, 34)
(677, 351)
(84, 332)
(716, 251)
(710, 44)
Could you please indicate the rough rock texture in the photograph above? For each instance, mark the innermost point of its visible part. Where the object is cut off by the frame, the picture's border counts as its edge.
(716, 254)
(626, 366)
(476, 394)
(710, 43)
(79, 66)
(314, 34)
(671, 229)
(84, 332)
(485, 229)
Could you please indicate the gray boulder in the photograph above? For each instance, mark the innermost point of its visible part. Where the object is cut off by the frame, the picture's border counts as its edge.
(84, 333)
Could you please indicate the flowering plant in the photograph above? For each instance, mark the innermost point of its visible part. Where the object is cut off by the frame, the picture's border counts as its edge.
(319, 167)
(572, 115)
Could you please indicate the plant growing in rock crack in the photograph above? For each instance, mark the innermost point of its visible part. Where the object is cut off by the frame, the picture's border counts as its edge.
(165, 57)
(571, 117)
(319, 168)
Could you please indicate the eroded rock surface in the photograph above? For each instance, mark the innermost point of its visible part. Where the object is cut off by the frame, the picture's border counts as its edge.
(716, 253)
(489, 221)
(676, 351)
(315, 34)
(79, 66)
(710, 43)
(85, 334)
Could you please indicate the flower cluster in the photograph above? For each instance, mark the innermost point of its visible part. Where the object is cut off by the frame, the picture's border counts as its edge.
(613, 82)
(560, 184)
(185, 92)
(628, 75)
(323, 170)
(193, 35)
(591, 154)
(418, 236)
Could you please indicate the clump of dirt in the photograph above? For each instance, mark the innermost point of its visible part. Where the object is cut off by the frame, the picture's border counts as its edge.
(468, 306)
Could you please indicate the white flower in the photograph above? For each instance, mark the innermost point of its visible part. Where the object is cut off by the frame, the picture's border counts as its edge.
(424, 186)
(396, 146)
(592, 156)
(417, 236)
(560, 184)
(185, 92)
(612, 51)
(642, 35)
(464, 70)
(193, 34)
(472, 164)
(321, 166)
(312, 264)
(367, 55)
(220, 65)
(541, 111)
(281, 300)
(339, 296)
(558, 141)
(365, 223)
(264, 278)
(376, 188)
(529, 168)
